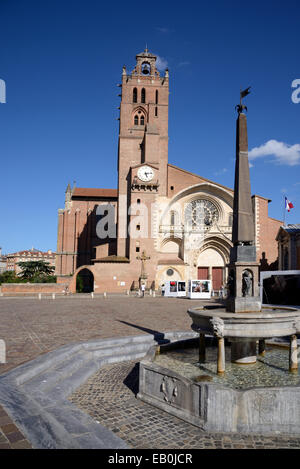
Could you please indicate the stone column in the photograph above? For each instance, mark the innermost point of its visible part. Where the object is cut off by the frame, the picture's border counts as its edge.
(293, 358)
(201, 348)
(243, 352)
(221, 356)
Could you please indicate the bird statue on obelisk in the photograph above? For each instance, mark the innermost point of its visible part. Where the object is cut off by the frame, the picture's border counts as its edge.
(243, 268)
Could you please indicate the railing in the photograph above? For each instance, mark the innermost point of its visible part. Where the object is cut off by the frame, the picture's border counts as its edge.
(180, 229)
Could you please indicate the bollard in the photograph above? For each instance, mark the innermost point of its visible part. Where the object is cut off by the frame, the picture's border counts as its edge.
(92, 294)
(53, 296)
(153, 294)
(104, 294)
(40, 296)
(2, 351)
(150, 292)
(127, 292)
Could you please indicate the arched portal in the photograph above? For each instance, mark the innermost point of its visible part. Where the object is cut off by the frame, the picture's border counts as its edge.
(211, 265)
(84, 281)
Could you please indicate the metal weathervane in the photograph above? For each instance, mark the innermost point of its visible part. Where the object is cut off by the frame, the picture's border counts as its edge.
(240, 107)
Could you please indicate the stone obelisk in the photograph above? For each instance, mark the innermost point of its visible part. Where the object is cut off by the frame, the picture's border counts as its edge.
(243, 269)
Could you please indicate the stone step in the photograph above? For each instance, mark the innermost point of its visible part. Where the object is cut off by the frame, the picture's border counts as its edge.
(67, 376)
(107, 343)
(25, 372)
(122, 349)
(54, 374)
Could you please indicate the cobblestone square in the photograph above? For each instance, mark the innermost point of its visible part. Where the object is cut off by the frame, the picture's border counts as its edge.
(32, 327)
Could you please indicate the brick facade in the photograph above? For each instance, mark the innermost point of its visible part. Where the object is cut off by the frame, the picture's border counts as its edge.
(180, 219)
(31, 288)
(13, 259)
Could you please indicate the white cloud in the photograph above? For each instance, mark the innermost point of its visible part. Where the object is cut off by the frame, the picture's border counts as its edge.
(282, 152)
(161, 63)
(221, 171)
(163, 30)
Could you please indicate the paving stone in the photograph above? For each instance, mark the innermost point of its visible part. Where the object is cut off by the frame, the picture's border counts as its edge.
(15, 436)
(5, 446)
(109, 395)
(10, 428)
(107, 398)
(22, 444)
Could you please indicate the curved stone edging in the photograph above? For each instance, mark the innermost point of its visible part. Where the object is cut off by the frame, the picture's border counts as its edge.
(35, 394)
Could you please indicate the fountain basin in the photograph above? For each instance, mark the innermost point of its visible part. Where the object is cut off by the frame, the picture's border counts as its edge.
(212, 403)
(270, 322)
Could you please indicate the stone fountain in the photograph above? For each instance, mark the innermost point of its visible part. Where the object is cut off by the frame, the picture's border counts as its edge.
(243, 325)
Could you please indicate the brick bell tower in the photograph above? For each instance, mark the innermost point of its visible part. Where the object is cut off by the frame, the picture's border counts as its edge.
(142, 151)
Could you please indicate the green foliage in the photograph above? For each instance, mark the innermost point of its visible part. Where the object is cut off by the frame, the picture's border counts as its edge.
(79, 284)
(43, 279)
(32, 272)
(35, 270)
(9, 277)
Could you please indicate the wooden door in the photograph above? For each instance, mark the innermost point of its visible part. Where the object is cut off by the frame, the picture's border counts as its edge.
(217, 278)
(202, 273)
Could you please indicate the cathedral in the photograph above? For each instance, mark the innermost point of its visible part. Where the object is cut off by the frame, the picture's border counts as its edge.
(162, 222)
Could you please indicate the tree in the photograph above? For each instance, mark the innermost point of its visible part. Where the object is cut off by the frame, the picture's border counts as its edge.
(36, 271)
(9, 276)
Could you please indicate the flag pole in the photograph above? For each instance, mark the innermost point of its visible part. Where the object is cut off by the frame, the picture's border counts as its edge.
(284, 210)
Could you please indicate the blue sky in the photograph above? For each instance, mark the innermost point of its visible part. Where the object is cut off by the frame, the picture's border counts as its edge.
(61, 62)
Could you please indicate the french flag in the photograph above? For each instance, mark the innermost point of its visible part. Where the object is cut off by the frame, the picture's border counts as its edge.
(288, 205)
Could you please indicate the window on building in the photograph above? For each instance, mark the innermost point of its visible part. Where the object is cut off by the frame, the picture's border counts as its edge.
(143, 95)
(139, 119)
(156, 97)
(134, 97)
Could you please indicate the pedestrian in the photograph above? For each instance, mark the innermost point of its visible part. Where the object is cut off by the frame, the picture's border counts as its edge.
(143, 287)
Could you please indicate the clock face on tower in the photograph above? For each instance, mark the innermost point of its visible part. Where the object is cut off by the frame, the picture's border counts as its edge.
(145, 173)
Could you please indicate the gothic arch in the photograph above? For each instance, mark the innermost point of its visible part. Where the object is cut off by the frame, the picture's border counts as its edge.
(72, 284)
(85, 281)
(206, 190)
(219, 245)
(172, 238)
(139, 112)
